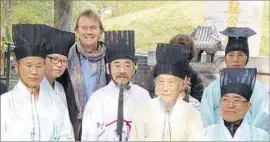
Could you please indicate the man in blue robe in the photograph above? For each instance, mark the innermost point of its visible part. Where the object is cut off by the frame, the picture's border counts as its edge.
(236, 89)
(236, 56)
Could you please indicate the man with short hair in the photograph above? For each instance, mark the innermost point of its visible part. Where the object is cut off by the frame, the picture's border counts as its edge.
(236, 90)
(236, 56)
(109, 113)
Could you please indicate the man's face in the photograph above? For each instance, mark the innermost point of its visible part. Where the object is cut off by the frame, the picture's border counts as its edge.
(234, 107)
(122, 70)
(31, 71)
(55, 65)
(89, 33)
(169, 87)
(236, 59)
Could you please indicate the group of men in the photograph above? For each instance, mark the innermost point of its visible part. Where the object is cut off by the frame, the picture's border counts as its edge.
(233, 107)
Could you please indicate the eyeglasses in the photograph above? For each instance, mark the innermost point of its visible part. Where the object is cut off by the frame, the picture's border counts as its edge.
(235, 102)
(56, 60)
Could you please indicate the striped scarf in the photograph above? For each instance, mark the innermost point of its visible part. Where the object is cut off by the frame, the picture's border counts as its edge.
(76, 75)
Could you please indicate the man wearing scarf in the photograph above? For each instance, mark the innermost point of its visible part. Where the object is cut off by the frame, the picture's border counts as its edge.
(108, 114)
(236, 89)
(29, 112)
(236, 56)
(168, 117)
(86, 69)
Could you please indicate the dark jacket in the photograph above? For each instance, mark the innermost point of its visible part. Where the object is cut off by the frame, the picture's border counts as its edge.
(3, 88)
(196, 83)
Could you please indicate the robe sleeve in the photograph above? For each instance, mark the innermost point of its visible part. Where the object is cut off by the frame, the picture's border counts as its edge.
(133, 132)
(207, 106)
(137, 132)
(260, 108)
(4, 115)
(66, 133)
(89, 122)
(195, 124)
(199, 136)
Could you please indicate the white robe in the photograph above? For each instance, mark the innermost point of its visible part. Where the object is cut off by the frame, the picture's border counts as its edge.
(150, 124)
(18, 121)
(100, 114)
(58, 89)
(245, 132)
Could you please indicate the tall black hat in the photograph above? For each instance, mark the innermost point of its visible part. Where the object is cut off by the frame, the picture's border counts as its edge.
(60, 42)
(172, 59)
(30, 40)
(240, 81)
(238, 39)
(119, 45)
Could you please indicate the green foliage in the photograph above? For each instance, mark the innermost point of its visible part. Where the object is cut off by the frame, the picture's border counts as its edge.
(153, 21)
(35, 12)
(160, 24)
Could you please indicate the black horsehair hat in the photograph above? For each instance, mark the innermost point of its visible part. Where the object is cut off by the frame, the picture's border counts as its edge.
(172, 59)
(240, 81)
(30, 40)
(119, 45)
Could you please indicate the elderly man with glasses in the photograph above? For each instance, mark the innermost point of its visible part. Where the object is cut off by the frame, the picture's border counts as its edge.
(236, 89)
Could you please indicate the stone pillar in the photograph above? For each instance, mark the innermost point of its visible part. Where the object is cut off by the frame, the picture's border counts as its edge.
(237, 13)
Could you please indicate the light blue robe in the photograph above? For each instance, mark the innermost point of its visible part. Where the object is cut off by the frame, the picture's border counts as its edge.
(219, 132)
(57, 90)
(258, 114)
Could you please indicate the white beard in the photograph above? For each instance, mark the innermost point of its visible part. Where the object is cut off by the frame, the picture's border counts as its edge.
(169, 105)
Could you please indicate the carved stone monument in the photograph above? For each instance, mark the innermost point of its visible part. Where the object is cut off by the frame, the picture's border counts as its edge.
(237, 13)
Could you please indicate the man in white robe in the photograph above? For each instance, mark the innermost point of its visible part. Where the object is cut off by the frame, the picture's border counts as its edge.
(236, 56)
(109, 112)
(168, 117)
(29, 112)
(236, 90)
(56, 60)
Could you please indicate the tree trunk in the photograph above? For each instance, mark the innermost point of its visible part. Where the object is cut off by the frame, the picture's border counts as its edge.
(7, 16)
(63, 14)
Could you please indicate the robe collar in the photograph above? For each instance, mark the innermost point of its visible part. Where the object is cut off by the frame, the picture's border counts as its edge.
(22, 88)
(232, 129)
(114, 87)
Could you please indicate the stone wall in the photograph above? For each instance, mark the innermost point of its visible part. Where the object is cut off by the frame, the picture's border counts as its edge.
(207, 71)
(141, 73)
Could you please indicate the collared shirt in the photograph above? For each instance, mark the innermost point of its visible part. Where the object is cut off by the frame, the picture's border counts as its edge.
(89, 74)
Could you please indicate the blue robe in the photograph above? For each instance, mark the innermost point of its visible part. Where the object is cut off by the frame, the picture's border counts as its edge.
(219, 132)
(258, 114)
